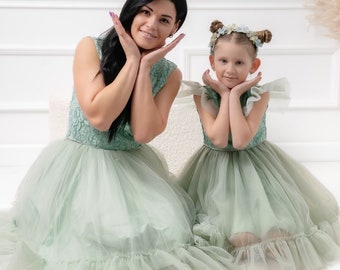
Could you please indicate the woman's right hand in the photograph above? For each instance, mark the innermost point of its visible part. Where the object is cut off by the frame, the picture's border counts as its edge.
(129, 46)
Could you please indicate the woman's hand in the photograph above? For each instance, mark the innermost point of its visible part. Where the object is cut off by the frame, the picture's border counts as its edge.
(219, 87)
(150, 57)
(129, 46)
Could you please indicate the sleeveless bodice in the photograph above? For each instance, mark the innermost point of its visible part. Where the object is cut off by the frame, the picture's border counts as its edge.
(260, 136)
(81, 131)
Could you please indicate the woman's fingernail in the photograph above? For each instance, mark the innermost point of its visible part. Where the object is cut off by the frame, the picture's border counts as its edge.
(111, 13)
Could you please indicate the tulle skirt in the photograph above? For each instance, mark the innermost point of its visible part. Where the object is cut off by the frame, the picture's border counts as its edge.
(263, 207)
(84, 208)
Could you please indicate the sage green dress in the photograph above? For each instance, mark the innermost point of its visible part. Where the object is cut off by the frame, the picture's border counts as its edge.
(90, 204)
(258, 203)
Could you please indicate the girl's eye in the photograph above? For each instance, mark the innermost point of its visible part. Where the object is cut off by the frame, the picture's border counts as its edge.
(239, 62)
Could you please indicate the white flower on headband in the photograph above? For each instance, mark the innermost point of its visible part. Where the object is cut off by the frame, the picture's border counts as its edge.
(221, 31)
(227, 30)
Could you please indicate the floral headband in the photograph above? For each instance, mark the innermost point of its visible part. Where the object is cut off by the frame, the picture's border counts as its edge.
(234, 28)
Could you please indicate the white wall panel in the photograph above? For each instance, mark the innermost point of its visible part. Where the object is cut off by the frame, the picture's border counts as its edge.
(23, 128)
(31, 76)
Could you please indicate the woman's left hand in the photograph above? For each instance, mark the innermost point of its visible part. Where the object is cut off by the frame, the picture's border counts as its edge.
(150, 57)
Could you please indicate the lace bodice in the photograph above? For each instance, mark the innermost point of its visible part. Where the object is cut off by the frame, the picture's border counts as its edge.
(81, 131)
(261, 134)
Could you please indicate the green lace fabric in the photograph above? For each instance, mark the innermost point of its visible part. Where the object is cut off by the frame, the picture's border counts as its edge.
(260, 136)
(80, 130)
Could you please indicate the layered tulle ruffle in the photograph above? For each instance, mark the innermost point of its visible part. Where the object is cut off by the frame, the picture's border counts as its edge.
(83, 208)
(263, 207)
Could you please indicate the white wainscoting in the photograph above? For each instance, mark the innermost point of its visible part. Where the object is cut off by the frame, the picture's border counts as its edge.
(36, 49)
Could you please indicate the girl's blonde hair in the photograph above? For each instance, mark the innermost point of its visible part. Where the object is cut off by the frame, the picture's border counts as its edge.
(238, 34)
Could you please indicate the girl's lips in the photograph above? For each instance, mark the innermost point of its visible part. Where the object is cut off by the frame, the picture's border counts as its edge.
(230, 78)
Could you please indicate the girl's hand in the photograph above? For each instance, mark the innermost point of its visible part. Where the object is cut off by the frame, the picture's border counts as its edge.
(243, 87)
(219, 87)
(150, 57)
(129, 46)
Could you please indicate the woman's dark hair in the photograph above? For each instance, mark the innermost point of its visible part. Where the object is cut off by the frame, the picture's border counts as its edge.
(113, 56)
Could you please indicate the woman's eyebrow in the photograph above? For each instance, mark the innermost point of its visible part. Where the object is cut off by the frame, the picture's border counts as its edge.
(163, 15)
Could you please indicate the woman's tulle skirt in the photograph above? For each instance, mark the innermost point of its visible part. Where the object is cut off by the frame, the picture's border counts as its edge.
(263, 207)
(83, 208)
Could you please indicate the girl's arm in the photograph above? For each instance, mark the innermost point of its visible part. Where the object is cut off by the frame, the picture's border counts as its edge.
(216, 127)
(243, 129)
(149, 115)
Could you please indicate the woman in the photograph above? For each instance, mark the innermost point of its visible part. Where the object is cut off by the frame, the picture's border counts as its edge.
(101, 198)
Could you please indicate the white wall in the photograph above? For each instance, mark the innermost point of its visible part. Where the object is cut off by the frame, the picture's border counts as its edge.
(37, 40)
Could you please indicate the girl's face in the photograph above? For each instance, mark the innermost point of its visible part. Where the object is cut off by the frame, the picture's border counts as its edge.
(232, 62)
(153, 24)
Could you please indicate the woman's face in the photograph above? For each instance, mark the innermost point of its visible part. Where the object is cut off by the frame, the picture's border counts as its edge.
(153, 24)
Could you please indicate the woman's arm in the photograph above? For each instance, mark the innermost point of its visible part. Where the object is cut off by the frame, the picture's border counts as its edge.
(102, 104)
(149, 114)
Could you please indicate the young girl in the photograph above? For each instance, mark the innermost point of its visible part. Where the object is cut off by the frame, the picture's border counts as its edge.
(101, 199)
(251, 198)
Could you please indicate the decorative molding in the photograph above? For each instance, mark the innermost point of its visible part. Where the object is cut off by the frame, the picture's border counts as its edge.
(336, 75)
(300, 51)
(24, 107)
(26, 51)
(193, 5)
(238, 5)
(55, 4)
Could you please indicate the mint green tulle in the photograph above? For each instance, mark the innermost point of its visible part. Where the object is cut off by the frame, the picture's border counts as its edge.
(263, 207)
(97, 209)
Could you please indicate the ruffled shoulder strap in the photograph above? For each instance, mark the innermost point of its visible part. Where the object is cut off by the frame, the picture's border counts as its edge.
(278, 89)
(189, 88)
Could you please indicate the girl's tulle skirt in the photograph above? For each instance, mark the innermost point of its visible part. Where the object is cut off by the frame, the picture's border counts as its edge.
(263, 207)
(83, 208)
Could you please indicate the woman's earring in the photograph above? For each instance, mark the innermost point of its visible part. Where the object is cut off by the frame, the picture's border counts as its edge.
(171, 35)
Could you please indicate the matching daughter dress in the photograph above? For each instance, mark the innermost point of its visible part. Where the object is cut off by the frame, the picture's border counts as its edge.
(258, 203)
